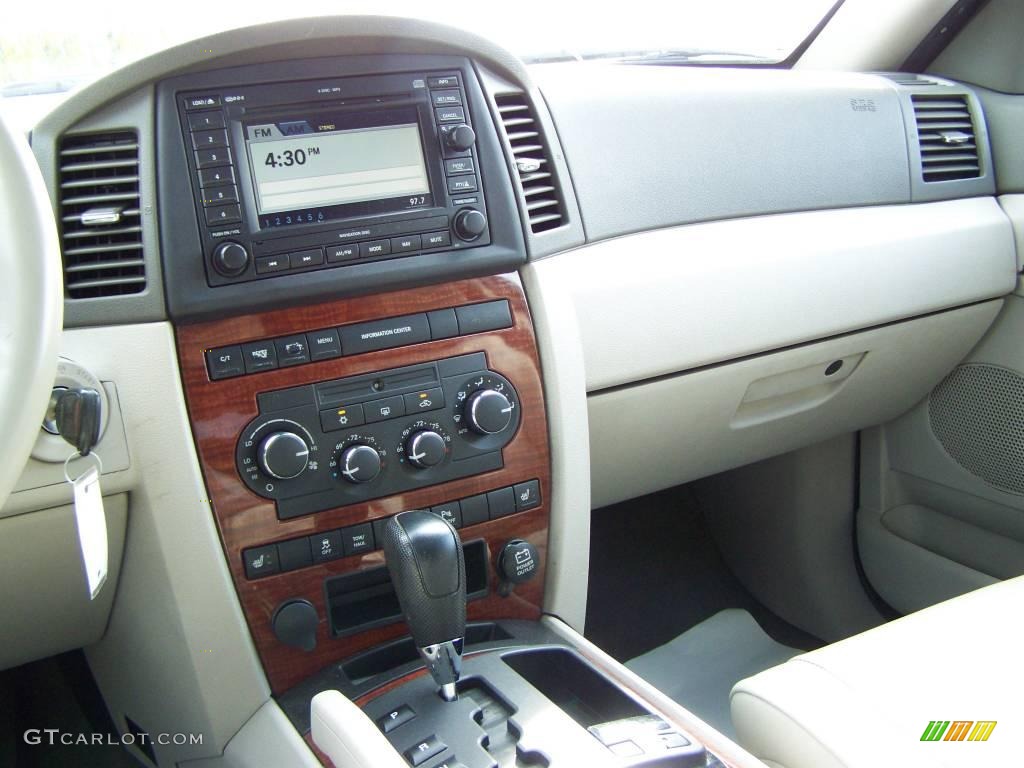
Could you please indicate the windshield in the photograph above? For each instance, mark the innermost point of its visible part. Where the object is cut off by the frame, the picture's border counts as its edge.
(49, 48)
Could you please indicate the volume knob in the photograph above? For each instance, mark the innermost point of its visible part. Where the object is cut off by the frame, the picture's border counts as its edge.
(230, 259)
(425, 449)
(283, 455)
(488, 412)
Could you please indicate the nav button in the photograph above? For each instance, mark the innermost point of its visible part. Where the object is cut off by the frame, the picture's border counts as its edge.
(405, 244)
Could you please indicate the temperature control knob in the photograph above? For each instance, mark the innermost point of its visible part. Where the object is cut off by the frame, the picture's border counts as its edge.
(283, 455)
(460, 137)
(469, 224)
(425, 449)
(488, 412)
(359, 463)
(230, 259)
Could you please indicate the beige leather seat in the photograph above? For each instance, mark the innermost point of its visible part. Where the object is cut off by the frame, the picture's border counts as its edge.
(868, 700)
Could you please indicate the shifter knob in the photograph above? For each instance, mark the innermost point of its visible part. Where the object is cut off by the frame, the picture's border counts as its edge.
(424, 557)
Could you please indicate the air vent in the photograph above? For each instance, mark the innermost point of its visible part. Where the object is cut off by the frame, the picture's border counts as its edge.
(912, 80)
(99, 211)
(532, 161)
(946, 135)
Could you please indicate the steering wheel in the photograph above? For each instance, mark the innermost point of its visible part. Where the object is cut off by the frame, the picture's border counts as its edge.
(31, 303)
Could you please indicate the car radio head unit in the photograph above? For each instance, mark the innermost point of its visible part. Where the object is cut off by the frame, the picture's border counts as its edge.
(318, 174)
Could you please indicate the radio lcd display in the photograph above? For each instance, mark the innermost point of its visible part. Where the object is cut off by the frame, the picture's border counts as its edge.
(322, 164)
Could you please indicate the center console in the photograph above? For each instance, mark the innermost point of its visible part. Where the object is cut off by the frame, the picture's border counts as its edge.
(340, 238)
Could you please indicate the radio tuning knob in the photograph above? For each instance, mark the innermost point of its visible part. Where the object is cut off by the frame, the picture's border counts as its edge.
(460, 137)
(283, 455)
(425, 449)
(469, 224)
(359, 463)
(230, 259)
(488, 412)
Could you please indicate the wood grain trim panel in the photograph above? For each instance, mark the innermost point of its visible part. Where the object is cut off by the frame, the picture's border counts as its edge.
(220, 409)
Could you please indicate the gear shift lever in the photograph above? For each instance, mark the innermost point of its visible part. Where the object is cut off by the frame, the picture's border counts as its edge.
(424, 557)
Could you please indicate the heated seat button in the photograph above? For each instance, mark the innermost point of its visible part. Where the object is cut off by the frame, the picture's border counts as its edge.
(224, 362)
(527, 495)
(421, 752)
(292, 350)
(260, 561)
(396, 717)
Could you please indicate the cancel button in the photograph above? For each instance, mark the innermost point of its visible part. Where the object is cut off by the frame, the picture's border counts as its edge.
(384, 334)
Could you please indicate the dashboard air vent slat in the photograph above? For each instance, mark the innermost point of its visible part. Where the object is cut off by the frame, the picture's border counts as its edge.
(101, 232)
(945, 132)
(530, 158)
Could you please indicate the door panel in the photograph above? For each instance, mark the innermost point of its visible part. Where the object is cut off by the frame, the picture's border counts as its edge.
(942, 487)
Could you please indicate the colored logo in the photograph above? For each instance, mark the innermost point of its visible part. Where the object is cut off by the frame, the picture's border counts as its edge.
(958, 730)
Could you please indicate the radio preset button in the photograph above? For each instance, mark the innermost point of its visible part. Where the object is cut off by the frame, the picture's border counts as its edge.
(462, 184)
(448, 81)
(220, 195)
(374, 248)
(342, 417)
(209, 139)
(206, 158)
(206, 121)
(324, 345)
(458, 165)
(211, 177)
(446, 98)
(388, 408)
(312, 257)
(450, 115)
(405, 244)
(437, 240)
(268, 264)
(223, 214)
(336, 253)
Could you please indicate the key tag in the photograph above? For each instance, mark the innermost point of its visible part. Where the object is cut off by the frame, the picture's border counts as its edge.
(91, 522)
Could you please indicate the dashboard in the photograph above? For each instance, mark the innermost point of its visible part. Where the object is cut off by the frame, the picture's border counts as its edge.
(382, 266)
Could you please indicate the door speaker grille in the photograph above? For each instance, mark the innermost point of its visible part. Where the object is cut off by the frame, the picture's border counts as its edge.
(977, 413)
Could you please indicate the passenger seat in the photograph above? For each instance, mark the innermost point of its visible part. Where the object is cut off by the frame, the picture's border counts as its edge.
(922, 690)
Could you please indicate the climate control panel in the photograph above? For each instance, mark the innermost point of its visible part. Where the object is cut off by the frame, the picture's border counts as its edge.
(344, 441)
